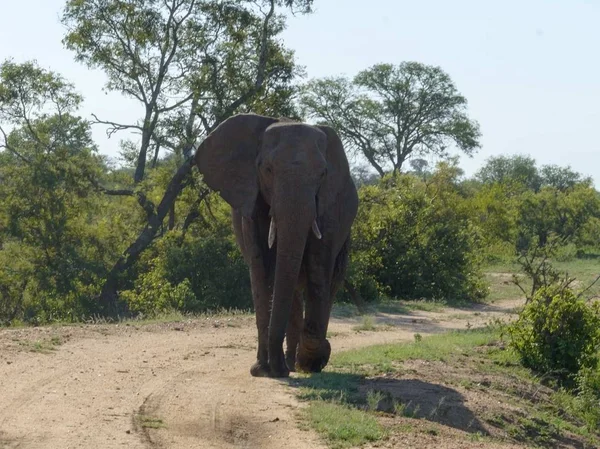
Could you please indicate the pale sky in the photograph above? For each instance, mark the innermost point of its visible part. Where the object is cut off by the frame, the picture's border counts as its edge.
(530, 69)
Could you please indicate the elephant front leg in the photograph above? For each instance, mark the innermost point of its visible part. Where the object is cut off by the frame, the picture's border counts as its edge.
(261, 298)
(314, 350)
(247, 235)
(294, 329)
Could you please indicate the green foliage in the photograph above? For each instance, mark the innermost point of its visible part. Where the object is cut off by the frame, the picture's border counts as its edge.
(191, 274)
(388, 113)
(522, 170)
(515, 169)
(557, 333)
(587, 401)
(52, 257)
(414, 240)
(522, 206)
(190, 64)
(552, 211)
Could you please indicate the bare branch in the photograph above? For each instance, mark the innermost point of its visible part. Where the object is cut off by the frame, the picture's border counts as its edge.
(589, 287)
(114, 127)
(11, 148)
(176, 105)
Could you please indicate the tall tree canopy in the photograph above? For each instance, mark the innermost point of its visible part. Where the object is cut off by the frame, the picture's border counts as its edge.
(47, 166)
(523, 170)
(190, 64)
(389, 113)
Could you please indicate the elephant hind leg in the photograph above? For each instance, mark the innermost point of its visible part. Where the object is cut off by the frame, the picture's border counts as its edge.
(339, 268)
(294, 329)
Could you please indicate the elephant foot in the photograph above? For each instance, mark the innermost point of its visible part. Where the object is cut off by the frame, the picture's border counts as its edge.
(278, 366)
(313, 356)
(260, 370)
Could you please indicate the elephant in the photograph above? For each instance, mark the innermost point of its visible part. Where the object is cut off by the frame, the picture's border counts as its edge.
(293, 204)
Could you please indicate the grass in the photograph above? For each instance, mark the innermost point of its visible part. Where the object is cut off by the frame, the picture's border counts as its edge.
(348, 409)
(150, 422)
(329, 386)
(343, 426)
(498, 276)
(367, 325)
(389, 306)
(436, 347)
(172, 316)
(42, 346)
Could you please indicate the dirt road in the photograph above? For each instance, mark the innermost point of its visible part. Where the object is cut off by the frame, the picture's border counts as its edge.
(176, 385)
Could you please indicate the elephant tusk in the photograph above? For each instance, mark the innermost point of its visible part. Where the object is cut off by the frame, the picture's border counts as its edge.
(316, 230)
(272, 233)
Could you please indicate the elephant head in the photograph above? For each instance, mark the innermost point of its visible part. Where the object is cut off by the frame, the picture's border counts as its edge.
(298, 170)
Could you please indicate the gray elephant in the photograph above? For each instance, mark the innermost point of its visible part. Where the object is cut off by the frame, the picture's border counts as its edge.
(293, 203)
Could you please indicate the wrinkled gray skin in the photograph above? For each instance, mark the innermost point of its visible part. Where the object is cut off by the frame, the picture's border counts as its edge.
(293, 203)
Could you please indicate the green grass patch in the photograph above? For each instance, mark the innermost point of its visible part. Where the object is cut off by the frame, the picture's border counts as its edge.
(436, 347)
(389, 306)
(367, 324)
(150, 422)
(328, 386)
(42, 346)
(343, 426)
(172, 316)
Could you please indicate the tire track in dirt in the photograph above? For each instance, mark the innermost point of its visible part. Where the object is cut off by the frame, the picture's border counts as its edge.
(183, 385)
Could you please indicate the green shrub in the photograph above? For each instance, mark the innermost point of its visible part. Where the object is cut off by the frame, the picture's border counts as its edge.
(588, 396)
(192, 274)
(414, 239)
(566, 253)
(557, 333)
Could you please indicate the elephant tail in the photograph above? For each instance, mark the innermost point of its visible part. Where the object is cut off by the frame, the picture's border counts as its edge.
(339, 269)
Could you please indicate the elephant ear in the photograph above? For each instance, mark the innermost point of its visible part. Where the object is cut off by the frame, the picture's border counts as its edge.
(338, 171)
(227, 158)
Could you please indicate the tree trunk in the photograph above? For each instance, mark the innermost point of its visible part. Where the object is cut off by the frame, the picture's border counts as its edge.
(355, 296)
(108, 296)
(172, 216)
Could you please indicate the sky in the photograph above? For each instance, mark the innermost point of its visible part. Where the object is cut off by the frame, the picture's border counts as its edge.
(530, 70)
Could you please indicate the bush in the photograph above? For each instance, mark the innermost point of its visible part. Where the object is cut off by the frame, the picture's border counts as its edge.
(566, 253)
(588, 396)
(557, 333)
(414, 239)
(191, 274)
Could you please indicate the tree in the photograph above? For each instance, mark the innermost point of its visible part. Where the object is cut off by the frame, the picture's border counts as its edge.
(190, 64)
(389, 113)
(562, 178)
(514, 169)
(552, 212)
(51, 252)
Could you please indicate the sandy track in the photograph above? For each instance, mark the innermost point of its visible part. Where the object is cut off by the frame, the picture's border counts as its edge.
(177, 385)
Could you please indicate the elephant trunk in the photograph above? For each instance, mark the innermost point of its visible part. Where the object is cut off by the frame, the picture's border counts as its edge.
(291, 226)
